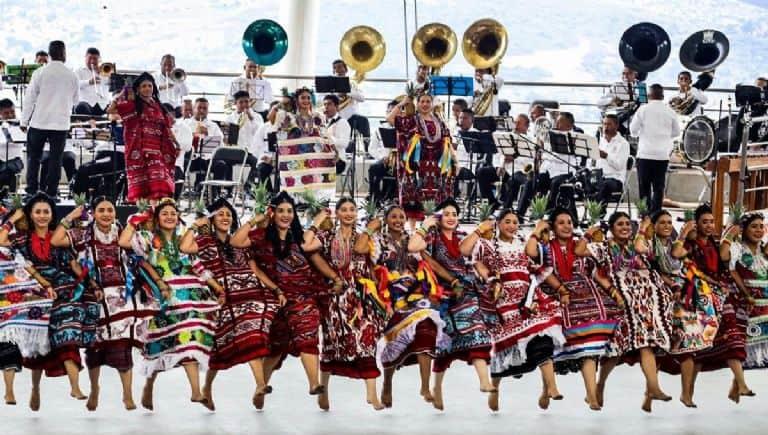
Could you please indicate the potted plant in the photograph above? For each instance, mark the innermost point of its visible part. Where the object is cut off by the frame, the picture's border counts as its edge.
(484, 212)
(594, 211)
(538, 211)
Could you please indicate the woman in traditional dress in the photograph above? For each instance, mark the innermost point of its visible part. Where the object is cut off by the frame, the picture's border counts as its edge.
(426, 165)
(414, 331)
(694, 319)
(251, 299)
(529, 331)
(352, 316)
(150, 146)
(729, 347)
(647, 301)
(748, 263)
(24, 315)
(303, 122)
(97, 249)
(279, 251)
(466, 323)
(590, 313)
(181, 333)
(75, 311)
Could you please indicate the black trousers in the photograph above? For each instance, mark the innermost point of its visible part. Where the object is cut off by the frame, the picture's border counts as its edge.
(8, 172)
(651, 178)
(35, 142)
(87, 177)
(530, 191)
(554, 189)
(512, 185)
(606, 190)
(83, 108)
(380, 188)
(361, 124)
(486, 177)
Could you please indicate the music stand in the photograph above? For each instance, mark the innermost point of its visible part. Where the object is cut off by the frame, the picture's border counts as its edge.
(485, 123)
(448, 85)
(233, 134)
(332, 85)
(388, 137)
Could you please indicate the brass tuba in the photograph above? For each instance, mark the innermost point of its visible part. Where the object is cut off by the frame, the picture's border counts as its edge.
(434, 45)
(644, 47)
(701, 52)
(363, 49)
(107, 69)
(484, 44)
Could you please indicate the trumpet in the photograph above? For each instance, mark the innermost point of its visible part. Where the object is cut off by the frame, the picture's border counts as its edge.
(178, 75)
(107, 69)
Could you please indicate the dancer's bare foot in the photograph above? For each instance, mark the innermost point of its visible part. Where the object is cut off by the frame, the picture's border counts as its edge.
(374, 402)
(316, 390)
(544, 400)
(77, 394)
(386, 395)
(647, 401)
(493, 401)
(555, 395)
(427, 395)
(745, 391)
(593, 405)
(688, 402)
(322, 400)
(489, 388)
(93, 399)
(659, 395)
(258, 396)
(600, 393)
(10, 399)
(146, 398)
(437, 398)
(129, 404)
(34, 399)
(207, 398)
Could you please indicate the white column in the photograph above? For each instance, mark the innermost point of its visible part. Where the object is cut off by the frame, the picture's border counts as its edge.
(299, 18)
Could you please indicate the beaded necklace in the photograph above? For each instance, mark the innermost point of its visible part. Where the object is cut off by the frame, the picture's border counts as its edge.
(425, 131)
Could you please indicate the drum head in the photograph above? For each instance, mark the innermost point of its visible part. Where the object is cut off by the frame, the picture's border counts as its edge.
(698, 144)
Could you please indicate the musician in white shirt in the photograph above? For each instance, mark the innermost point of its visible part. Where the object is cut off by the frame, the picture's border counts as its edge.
(485, 82)
(690, 99)
(248, 123)
(421, 84)
(94, 89)
(461, 157)
(252, 82)
(614, 153)
(457, 106)
(170, 90)
(205, 131)
(379, 186)
(516, 171)
(655, 125)
(261, 148)
(41, 57)
(337, 129)
(52, 92)
(10, 149)
(348, 108)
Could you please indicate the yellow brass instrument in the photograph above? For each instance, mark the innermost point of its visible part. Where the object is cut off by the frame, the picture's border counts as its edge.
(178, 75)
(484, 44)
(363, 49)
(434, 45)
(107, 69)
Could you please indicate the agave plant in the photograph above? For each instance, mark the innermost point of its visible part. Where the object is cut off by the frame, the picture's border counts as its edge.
(485, 212)
(735, 212)
(314, 207)
(200, 210)
(689, 215)
(538, 210)
(82, 201)
(370, 210)
(429, 207)
(142, 205)
(642, 207)
(260, 197)
(594, 211)
(17, 203)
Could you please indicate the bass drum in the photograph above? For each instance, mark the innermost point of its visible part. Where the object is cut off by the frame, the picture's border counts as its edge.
(729, 141)
(698, 144)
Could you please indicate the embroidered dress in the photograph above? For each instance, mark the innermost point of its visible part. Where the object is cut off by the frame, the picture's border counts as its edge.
(245, 319)
(150, 154)
(121, 309)
(408, 287)
(752, 267)
(295, 330)
(425, 169)
(352, 320)
(24, 314)
(465, 322)
(731, 338)
(647, 301)
(530, 329)
(591, 316)
(694, 318)
(182, 331)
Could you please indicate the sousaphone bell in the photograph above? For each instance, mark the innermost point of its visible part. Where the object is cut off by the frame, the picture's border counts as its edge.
(704, 51)
(434, 45)
(265, 42)
(644, 47)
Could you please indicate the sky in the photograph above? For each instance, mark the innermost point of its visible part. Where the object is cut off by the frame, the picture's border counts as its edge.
(561, 41)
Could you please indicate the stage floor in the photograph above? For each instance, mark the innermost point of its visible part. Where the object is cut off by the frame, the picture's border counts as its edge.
(290, 410)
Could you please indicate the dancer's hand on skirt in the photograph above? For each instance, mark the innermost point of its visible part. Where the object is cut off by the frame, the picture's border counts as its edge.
(99, 294)
(281, 300)
(51, 292)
